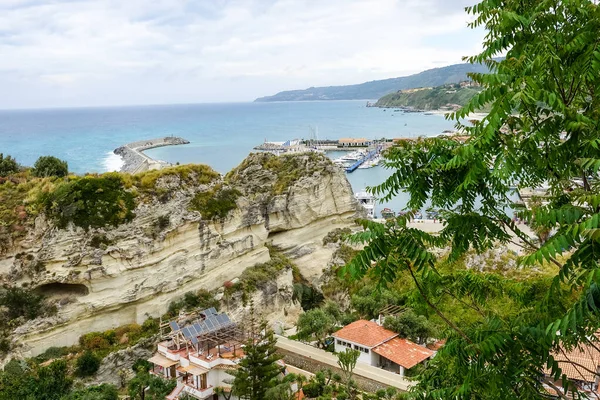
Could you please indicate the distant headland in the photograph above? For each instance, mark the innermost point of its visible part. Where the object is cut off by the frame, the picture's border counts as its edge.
(377, 89)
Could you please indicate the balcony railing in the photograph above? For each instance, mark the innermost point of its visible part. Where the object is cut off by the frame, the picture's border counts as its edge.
(199, 393)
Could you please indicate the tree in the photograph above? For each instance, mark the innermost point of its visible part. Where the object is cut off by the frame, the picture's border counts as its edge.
(145, 386)
(542, 130)
(46, 166)
(22, 303)
(87, 364)
(258, 371)
(8, 165)
(315, 324)
(347, 361)
(410, 325)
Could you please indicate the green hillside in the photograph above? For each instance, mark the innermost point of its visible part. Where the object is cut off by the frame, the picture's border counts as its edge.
(375, 89)
(429, 99)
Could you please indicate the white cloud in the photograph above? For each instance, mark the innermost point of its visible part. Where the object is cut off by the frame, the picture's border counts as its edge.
(90, 52)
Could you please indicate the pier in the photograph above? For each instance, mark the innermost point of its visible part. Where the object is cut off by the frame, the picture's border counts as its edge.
(360, 162)
(136, 161)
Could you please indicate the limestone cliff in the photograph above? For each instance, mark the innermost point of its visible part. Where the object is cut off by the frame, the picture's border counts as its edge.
(105, 277)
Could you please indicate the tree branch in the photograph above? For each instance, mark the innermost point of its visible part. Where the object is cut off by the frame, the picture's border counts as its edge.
(437, 311)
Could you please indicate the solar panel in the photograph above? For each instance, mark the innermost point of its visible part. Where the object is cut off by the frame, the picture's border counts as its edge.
(174, 326)
(223, 319)
(186, 333)
(212, 311)
(198, 328)
(209, 324)
(194, 340)
(192, 330)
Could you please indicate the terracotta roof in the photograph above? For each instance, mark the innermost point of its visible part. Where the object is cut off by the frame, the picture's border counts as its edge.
(365, 332)
(586, 356)
(403, 352)
(436, 345)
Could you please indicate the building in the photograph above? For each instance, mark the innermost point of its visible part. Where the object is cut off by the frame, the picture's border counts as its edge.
(381, 347)
(350, 142)
(581, 365)
(199, 354)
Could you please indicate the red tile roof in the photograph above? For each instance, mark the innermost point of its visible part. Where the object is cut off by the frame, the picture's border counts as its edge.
(403, 352)
(586, 356)
(365, 333)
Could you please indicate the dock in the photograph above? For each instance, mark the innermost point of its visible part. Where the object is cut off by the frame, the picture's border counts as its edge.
(134, 159)
(360, 162)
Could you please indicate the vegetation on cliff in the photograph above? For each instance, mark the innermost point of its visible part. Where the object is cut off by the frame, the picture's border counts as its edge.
(8, 165)
(268, 173)
(215, 203)
(89, 202)
(542, 130)
(46, 166)
(430, 98)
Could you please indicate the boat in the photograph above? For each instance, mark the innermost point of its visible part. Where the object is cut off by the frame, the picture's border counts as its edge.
(387, 213)
(367, 201)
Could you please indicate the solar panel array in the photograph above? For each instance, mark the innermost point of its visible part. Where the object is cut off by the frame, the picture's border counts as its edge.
(212, 323)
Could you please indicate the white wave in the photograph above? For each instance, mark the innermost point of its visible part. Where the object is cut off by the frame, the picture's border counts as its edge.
(113, 162)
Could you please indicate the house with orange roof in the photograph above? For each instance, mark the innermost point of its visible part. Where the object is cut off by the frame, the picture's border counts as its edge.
(581, 366)
(381, 347)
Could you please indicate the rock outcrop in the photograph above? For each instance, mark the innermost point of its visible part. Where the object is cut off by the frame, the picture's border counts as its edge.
(107, 277)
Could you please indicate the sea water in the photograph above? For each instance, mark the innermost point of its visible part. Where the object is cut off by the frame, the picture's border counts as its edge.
(220, 135)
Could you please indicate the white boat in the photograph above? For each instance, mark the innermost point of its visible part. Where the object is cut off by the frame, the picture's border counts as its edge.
(367, 201)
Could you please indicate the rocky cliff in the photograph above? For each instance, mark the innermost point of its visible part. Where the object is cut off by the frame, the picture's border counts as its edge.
(104, 277)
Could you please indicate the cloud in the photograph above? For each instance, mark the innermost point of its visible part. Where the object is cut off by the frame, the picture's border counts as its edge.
(91, 52)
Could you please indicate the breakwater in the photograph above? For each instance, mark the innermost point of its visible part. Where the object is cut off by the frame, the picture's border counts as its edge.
(134, 159)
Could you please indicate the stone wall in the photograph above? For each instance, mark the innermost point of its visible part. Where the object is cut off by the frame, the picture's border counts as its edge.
(314, 366)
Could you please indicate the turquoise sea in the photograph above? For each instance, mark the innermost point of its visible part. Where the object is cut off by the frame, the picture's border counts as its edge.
(221, 135)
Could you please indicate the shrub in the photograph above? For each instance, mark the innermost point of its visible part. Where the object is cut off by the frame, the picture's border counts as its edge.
(87, 364)
(94, 341)
(202, 299)
(215, 203)
(46, 166)
(22, 303)
(100, 392)
(90, 202)
(8, 165)
(336, 235)
(52, 353)
(141, 365)
(150, 326)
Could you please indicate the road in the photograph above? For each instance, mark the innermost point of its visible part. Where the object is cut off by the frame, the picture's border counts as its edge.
(364, 370)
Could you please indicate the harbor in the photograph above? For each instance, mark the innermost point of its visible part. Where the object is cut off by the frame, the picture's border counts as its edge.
(361, 153)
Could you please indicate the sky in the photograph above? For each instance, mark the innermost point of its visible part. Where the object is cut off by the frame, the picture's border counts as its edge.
(66, 53)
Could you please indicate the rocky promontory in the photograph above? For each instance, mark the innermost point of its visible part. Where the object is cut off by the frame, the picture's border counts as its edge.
(170, 231)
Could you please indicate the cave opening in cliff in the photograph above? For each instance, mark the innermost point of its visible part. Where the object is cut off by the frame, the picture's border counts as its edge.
(57, 289)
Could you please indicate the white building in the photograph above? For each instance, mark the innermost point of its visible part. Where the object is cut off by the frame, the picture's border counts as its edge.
(199, 354)
(380, 347)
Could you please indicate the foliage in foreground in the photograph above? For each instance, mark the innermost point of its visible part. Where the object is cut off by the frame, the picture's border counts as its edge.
(541, 130)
